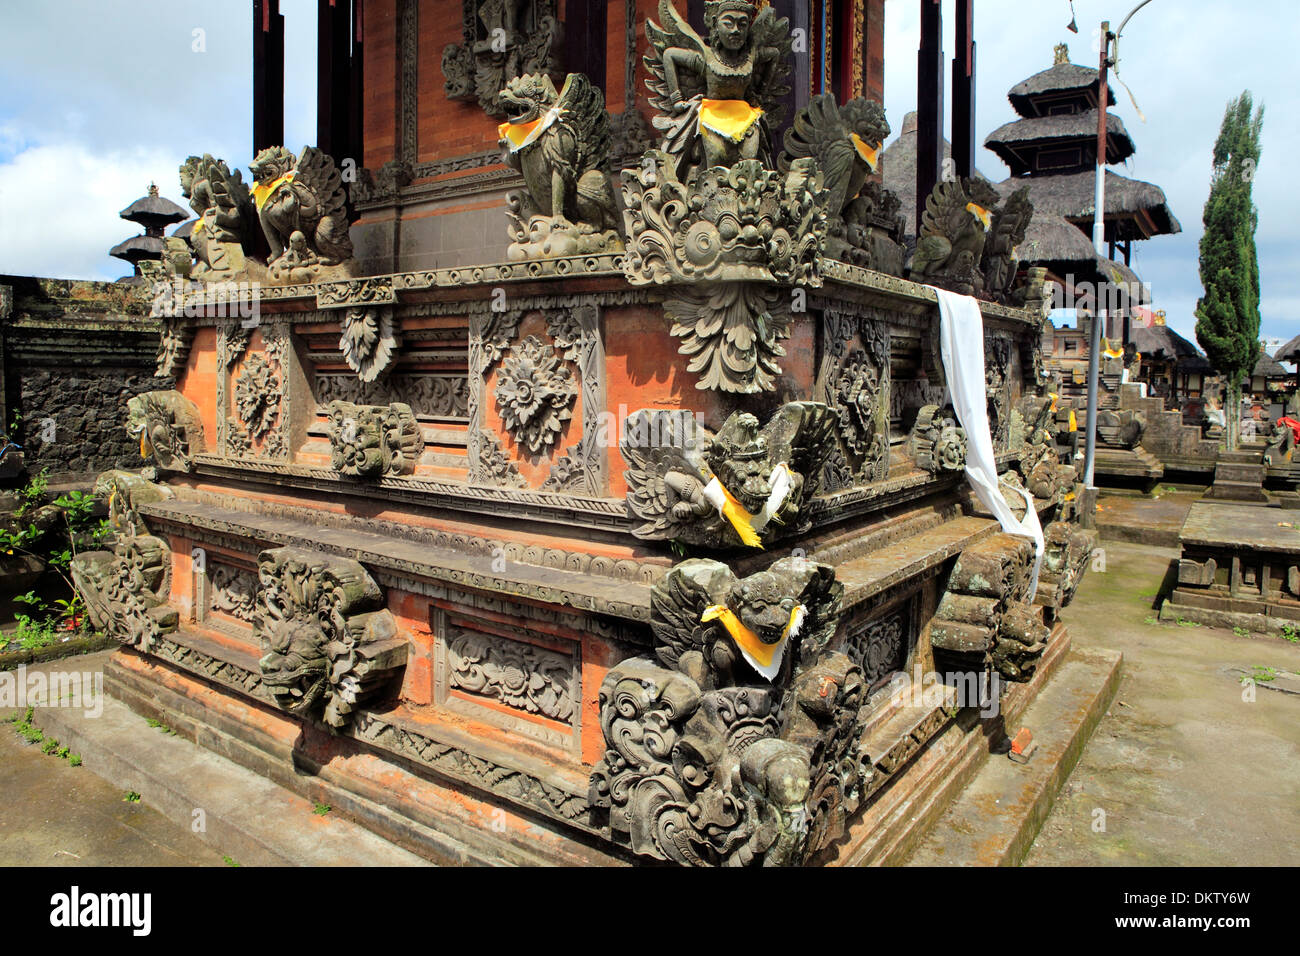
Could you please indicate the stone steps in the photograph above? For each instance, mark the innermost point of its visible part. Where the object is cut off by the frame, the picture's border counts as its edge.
(994, 821)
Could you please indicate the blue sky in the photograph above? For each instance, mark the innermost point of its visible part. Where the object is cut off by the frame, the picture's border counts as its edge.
(99, 97)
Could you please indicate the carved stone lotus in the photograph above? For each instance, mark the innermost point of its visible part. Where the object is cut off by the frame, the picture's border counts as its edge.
(535, 392)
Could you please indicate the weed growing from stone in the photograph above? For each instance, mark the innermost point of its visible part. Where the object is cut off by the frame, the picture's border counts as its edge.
(131, 797)
(321, 809)
(229, 861)
(159, 725)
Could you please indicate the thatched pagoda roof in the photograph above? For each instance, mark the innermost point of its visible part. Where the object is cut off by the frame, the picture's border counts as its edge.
(1134, 209)
(1052, 83)
(153, 207)
(1160, 342)
(1266, 367)
(1016, 142)
(1289, 352)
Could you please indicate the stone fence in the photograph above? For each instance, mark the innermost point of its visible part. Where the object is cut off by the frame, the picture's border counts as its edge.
(72, 354)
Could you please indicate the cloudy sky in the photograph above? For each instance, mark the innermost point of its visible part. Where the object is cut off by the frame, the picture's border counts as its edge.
(100, 97)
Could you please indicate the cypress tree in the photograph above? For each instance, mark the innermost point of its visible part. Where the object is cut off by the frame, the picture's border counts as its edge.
(1227, 316)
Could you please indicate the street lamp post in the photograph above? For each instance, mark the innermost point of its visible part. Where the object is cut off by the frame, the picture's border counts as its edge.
(1099, 234)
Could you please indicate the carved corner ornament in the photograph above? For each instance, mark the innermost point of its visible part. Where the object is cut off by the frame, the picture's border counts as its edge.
(302, 207)
(328, 642)
(937, 443)
(746, 222)
(368, 441)
(737, 744)
(168, 427)
(744, 486)
(125, 590)
(369, 340)
(560, 142)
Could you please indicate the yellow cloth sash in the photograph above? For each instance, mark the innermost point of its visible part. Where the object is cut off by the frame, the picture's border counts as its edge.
(519, 135)
(766, 658)
(869, 153)
(731, 509)
(262, 191)
(980, 213)
(730, 118)
(1053, 396)
(1114, 353)
(144, 451)
(1074, 422)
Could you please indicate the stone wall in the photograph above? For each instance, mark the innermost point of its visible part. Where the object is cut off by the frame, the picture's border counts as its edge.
(73, 354)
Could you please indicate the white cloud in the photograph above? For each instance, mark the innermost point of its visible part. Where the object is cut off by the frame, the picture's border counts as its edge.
(59, 207)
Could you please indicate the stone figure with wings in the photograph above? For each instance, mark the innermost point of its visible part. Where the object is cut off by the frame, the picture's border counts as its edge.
(723, 631)
(735, 488)
(718, 98)
(302, 206)
(954, 227)
(224, 232)
(1006, 233)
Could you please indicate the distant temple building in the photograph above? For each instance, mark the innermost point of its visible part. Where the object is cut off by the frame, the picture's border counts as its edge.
(1052, 149)
(154, 213)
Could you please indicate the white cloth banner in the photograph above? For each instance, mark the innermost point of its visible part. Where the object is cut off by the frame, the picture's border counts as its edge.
(961, 338)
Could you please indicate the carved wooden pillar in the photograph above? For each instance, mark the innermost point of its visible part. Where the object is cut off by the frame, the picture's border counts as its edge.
(268, 74)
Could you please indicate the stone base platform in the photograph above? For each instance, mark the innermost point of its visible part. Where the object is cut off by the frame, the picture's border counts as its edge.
(1128, 467)
(1240, 568)
(443, 825)
(1143, 520)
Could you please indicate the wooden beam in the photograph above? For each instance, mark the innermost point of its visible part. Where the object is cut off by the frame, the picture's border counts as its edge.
(929, 106)
(268, 75)
(963, 91)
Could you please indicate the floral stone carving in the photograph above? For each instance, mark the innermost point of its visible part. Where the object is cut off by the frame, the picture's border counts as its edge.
(328, 643)
(125, 590)
(257, 396)
(560, 142)
(743, 486)
(745, 222)
(535, 391)
(168, 426)
(372, 440)
(858, 398)
(368, 341)
(732, 334)
(739, 744)
(937, 443)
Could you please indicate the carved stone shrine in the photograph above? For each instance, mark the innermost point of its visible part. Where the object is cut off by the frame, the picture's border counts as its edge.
(623, 549)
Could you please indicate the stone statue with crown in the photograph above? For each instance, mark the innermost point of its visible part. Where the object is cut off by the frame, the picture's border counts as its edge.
(718, 96)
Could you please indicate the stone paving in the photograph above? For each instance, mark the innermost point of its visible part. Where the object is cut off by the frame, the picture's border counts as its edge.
(1182, 769)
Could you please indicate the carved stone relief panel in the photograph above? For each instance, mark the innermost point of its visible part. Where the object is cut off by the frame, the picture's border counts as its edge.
(253, 394)
(509, 675)
(501, 39)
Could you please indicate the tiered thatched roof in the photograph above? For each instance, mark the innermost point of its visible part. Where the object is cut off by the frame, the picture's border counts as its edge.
(1019, 142)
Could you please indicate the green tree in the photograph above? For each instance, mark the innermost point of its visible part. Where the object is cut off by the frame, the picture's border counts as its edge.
(1227, 316)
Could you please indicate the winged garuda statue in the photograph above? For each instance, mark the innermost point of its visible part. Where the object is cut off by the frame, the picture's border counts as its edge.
(718, 99)
(560, 142)
(735, 488)
(845, 140)
(302, 206)
(954, 227)
(225, 233)
(719, 629)
(1007, 231)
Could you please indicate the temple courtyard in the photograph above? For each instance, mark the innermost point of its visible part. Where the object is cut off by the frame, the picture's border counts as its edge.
(1187, 767)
